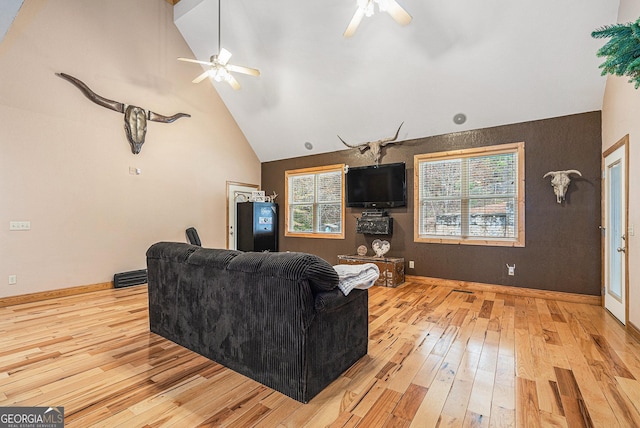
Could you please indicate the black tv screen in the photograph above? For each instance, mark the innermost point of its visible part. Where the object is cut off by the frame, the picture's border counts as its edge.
(377, 186)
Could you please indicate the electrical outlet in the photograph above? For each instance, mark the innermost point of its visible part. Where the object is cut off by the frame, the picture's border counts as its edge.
(13, 279)
(411, 264)
(511, 270)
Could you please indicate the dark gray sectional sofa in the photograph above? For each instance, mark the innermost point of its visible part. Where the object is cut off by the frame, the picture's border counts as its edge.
(277, 318)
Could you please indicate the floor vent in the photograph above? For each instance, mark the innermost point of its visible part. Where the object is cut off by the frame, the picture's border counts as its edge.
(127, 279)
(457, 290)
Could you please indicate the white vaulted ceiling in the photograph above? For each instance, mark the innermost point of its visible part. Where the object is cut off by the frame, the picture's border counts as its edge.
(497, 61)
(8, 11)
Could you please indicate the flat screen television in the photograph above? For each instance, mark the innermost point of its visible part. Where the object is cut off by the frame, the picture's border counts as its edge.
(377, 186)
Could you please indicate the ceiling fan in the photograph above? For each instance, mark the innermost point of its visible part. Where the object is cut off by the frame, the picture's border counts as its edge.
(366, 8)
(219, 67)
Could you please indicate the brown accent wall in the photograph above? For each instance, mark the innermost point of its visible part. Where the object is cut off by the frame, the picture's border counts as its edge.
(562, 249)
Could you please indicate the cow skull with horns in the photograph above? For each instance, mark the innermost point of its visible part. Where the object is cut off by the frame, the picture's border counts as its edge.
(374, 146)
(135, 118)
(560, 181)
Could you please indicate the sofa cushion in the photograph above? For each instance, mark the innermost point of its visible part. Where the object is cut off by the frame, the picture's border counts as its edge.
(290, 265)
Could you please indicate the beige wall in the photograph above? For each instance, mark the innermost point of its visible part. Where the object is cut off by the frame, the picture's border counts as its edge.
(64, 161)
(621, 116)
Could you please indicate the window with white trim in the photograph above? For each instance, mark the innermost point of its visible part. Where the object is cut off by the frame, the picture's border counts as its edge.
(314, 202)
(472, 196)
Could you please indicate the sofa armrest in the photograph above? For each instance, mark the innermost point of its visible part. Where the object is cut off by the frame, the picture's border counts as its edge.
(177, 251)
(326, 301)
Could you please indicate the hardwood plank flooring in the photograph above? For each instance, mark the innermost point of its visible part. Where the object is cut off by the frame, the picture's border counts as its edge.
(438, 356)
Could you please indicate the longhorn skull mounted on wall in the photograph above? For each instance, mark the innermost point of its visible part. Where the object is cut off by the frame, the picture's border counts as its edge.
(560, 181)
(135, 118)
(374, 146)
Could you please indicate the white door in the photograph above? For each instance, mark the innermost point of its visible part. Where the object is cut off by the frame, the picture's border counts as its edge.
(615, 230)
(236, 192)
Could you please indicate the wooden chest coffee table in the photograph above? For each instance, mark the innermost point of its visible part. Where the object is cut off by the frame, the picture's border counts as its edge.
(391, 268)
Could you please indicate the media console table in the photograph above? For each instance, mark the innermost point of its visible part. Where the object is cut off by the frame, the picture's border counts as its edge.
(391, 268)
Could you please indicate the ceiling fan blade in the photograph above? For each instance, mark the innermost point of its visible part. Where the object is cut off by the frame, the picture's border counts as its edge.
(355, 22)
(224, 56)
(194, 60)
(201, 77)
(233, 82)
(398, 13)
(243, 70)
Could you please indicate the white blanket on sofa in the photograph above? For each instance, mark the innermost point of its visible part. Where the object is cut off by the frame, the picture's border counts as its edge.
(356, 276)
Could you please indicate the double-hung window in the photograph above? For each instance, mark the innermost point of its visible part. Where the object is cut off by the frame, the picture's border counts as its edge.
(472, 196)
(314, 202)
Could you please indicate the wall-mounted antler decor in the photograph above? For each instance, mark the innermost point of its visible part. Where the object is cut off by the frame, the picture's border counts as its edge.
(560, 181)
(374, 146)
(135, 118)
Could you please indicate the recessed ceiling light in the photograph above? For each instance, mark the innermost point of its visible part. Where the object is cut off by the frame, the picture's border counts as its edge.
(308, 145)
(459, 119)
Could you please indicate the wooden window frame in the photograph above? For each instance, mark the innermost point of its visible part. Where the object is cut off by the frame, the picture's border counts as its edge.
(308, 171)
(518, 241)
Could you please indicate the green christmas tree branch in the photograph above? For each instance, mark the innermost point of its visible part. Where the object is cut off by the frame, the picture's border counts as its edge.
(622, 52)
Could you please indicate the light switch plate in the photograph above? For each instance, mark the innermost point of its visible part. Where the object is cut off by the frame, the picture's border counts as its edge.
(19, 225)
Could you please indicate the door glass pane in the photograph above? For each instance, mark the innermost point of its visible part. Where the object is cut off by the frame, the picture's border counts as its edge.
(615, 231)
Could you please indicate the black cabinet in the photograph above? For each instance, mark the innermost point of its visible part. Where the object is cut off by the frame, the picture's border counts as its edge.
(257, 227)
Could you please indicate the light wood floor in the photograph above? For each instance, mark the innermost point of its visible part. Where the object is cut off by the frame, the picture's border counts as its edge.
(437, 357)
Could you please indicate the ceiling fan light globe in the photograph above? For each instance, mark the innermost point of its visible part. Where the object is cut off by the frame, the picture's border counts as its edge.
(366, 7)
(369, 10)
(382, 5)
(217, 74)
